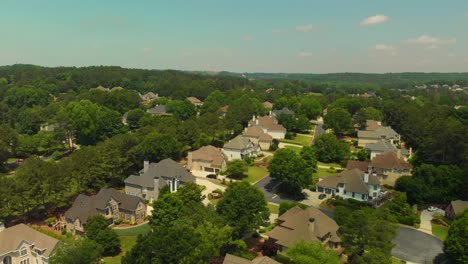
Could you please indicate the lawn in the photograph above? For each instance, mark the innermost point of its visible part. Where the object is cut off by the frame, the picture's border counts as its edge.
(127, 243)
(439, 231)
(274, 208)
(255, 174)
(134, 231)
(294, 148)
(303, 139)
(322, 172)
(334, 165)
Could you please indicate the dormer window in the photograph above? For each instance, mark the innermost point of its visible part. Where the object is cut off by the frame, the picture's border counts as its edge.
(23, 251)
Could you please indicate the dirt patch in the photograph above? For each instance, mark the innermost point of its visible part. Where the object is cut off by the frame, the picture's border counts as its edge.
(254, 245)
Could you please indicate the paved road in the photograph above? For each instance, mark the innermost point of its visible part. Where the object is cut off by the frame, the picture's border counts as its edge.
(318, 130)
(416, 246)
(426, 218)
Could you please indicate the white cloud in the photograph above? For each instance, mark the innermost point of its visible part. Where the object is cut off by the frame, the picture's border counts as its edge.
(383, 47)
(374, 20)
(431, 42)
(305, 28)
(305, 54)
(248, 38)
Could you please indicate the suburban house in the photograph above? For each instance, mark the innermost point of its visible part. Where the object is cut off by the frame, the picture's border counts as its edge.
(231, 259)
(269, 124)
(240, 148)
(455, 207)
(379, 147)
(155, 176)
(376, 132)
(267, 105)
(284, 111)
(207, 159)
(109, 203)
(256, 134)
(310, 225)
(20, 244)
(148, 97)
(158, 110)
(356, 184)
(195, 101)
(388, 167)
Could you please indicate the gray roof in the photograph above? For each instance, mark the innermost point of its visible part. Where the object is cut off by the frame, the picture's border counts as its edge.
(12, 237)
(157, 110)
(353, 180)
(284, 111)
(381, 132)
(240, 142)
(381, 146)
(459, 206)
(166, 168)
(86, 206)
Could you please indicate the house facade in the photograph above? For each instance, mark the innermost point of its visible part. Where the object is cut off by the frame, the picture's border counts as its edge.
(20, 244)
(155, 176)
(390, 166)
(269, 124)
(240, 148)
(310, 225)
(207, 159)
(258, 137)
(109, 203)
(355, 184)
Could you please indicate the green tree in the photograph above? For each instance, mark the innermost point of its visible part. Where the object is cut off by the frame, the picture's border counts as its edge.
(134, 116)
(76, 251)
(97, 229)
(182, 109)
(291, 171)
(310, 107)
(339, 120)
(331, 149)
(243, 207)
(309, 155)
(166, 210)
(457, 239)
(311, 253)
(367, 113)
(191, 192)
(237, 168)
(156, 147)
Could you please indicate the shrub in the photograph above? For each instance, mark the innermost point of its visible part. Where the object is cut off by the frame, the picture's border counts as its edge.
(51, 220)
(262, 230)
(270, 248)
(56, 155)
(118, 221)
(288, 135)
(64, 231)
(331, 170)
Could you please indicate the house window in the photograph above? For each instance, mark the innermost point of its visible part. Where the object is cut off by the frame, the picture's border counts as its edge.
(353, 194)
(344, 191)
(7, 260)
(363, 196)
(24, 261)
(23, 252)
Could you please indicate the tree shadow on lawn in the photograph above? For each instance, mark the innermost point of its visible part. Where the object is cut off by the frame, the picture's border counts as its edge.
(283, 192)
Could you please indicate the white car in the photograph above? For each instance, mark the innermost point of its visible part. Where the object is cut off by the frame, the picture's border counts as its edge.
(432, 209)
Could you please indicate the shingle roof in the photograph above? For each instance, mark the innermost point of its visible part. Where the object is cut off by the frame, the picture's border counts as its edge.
(353, 180)
(194, 100)
(11, 238)
(284, 111)
(459, 206)
(381, 146)
(295, 225)
(166, 168)
(356, 164)
(209, 154)
(85, 206)
(157, 110)
(238, 142)
(270, 123)
(231, 259)
(390, 160)
(373, 125)
(257, 132)
(267, 104)
(379, 133)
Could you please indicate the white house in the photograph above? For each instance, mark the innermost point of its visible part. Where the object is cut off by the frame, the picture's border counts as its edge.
(240, 148)
(269, 125)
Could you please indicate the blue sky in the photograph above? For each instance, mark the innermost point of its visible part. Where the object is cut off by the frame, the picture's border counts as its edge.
(242, 36)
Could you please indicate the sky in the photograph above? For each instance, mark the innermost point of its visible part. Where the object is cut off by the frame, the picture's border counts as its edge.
(307, 36)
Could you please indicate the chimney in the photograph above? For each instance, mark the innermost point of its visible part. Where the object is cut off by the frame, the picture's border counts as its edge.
(145, 165)
(256, 122)
(311, 225)
(2, 226)
(367, 173)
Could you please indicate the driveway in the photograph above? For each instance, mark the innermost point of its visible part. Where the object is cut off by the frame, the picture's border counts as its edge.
(210, 187)
(416, 246)
(426, 218)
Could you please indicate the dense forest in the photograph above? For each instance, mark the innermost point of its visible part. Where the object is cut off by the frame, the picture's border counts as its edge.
(59, 136)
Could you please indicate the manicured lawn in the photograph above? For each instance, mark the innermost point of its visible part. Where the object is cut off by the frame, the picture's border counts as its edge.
(322, 172)
(334, 165)
(303, 139)
(134, 231)
(396, 261)
(439, 231)
(296, 149)
(255, 174)
(127, 243)
(274, 208)
(218, 182)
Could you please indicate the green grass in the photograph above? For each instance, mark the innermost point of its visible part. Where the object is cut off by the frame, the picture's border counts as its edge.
(127, 243)
(334, 165)
(396, 261)
(322, 172)
(218, 182)
(303, 139)
(439, 231)
(294, 148)
(255, 174)
(274, 208)
(134, 231)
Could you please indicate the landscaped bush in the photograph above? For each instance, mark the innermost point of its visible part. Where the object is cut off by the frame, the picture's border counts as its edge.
(64, 231)
(51, 220)
(118, 221)
(288, 135)
(56, 155)
(331, 170)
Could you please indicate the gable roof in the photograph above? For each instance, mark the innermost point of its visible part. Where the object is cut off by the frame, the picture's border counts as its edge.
(86, 206)
(11, 238)
(231, 259)
(257, 132)
(238, 143)
(353, 180)
(380, 146)
(373, 124)
(390, 160)
(267, 104)
(379, 133)
(157, 110)
(356, 164)
(210, 154)
(296, 223)
(194, 100)
(284, 111)
(166, 168)
(269, 123)
(459, 206)
(148, 96)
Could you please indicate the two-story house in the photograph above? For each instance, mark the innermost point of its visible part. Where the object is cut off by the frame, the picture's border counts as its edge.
(258, 137)
(155, 176)
(20, 244)
(207, 159)
(375, 133)
(310, 225)
(109, 203)
(269, 124)
(240, 147)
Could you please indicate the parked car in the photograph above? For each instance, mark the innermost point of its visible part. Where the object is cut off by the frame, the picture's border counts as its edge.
(211, 176)
(432, 209)
(322, 196)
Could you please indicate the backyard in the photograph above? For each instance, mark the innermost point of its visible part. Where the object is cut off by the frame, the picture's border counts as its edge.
(294, 148)
(128, 238)
(255, 174)
(439, 231)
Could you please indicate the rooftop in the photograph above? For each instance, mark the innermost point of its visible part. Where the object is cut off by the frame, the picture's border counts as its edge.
(12, 237)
